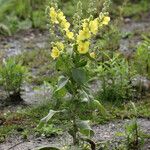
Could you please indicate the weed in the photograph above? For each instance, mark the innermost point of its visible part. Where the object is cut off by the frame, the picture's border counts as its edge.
(115, 77)
(12, 76)
(142, 55)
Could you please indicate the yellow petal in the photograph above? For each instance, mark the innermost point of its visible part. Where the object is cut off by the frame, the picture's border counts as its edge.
(83, 47)
(60, 45)
(70, 35)
(106, 20)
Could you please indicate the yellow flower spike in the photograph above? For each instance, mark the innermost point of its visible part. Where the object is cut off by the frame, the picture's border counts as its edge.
(83, 47)
(70, 35)
(93, 25)
(106, 20)
(55, 53)
(53, 15)
(93, 55)
(60, 46)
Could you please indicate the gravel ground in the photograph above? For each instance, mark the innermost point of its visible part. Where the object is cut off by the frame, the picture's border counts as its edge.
(106, 132)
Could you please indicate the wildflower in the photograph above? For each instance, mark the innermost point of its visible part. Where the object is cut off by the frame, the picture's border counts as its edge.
(53, 15)
(83, 47)
(92, 55)
(93, 25)
(106, 20)
(65, 24)
(61, 16)
(83, 34)
(60, 45)
(55, 53)
(70, 35)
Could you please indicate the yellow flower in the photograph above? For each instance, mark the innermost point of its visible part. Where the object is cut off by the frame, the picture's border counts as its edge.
(106, 20)
(85, 23)
(53, 15)
(83, 47)
(92, 55)
(55, 53)
(83, 35)
(65, 25)
(70, 35)
(93, 25)
(60, 45)
(61, 16)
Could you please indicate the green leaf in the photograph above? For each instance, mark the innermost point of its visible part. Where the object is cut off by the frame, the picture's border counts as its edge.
(62, 81)
(79, 75)
(41, 125)
(60, 64)
(47, 148)
(85, 128)
(81, 63)
(134, 108)
(100, 107)
(49, 116)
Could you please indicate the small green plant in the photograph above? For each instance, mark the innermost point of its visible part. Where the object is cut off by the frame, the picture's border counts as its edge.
(114, 75)
(12, 75)
(133, 135)
(142, 58)
(48, 130)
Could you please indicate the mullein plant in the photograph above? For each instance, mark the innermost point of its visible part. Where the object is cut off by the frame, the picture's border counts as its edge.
(72, 52)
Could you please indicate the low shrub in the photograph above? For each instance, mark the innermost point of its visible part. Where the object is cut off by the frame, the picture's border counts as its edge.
(12, 76)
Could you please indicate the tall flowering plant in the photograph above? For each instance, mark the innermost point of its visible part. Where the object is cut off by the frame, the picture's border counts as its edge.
(72, 52)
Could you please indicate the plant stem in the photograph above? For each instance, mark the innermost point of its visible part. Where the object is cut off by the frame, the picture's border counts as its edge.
(75, 130)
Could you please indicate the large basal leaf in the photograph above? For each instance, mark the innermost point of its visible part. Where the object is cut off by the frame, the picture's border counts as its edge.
(79, 75)
(62, 81)
(49, 116)
(85, 128)
(47, 148)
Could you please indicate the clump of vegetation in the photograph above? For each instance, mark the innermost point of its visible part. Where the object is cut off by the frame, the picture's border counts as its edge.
(134, 137)
(142, 55)
(136, 8)
(12, 76)
(115, 76)
(22, 14)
